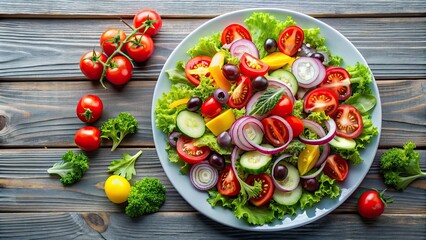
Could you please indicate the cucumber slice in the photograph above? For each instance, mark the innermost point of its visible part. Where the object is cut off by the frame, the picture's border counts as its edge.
(288, 198)
(287, 78)
(255, 162)
(293, 178)
(191, 124)
(342, 143)
(255, 134)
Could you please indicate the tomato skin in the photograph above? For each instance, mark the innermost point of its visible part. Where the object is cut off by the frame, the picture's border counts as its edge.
(252, 67)
(371, 204)
(108, 37)
(88, 138)
(321, 99)
(349, 121)
(338, 80)
(228, 184)
(283, 108)
(199, 62)
(120, 71)
(140, 18)
(241, 94)
(336, 167)
(268, 188)
(234, 32)
(296, 125)
(89, 108)
(89, 65)
(140, 47)
(290, 40)
(211, 108)
(186, 150)
(117, 189)
(275, 131)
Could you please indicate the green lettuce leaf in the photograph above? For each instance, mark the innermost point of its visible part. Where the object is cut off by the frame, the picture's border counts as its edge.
(207, 46)
(177, 74)
(294, 149)
(254, 215)
(316, 41)
(318, 117)
(210, 140)
(328, 188)
(363, 102)
(360, 78)
(298, 109)
(215, 198)
(239, 112)
(282, 210)
(204, 90)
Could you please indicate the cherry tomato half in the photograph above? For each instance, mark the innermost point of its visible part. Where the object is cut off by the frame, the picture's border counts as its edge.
(338, 80)
(88, 138)
(372, 204)
(321, 99)
(228, 184)
(290, 40)
(190, 153)
(148, 15)
(275, 131)
(348, 121)
(211, 108)
(120, 70)
(89, 108)
(267, 189)
(90, 66)
(110, 39)
(283, 108)
(241, 94)
(336, 167)
(140, 47)
(234, 32)
(252, 67)
(296, 125)
(197, 67)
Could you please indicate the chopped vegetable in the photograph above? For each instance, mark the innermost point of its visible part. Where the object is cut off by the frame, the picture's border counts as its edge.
(125, 167)
(178, 102)
(117, 128)
(222, 122)
(71, 168)
(146, 196)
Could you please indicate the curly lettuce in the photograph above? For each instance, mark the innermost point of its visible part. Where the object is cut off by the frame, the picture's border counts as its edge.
(316, 41)
(207, 46)
(210, 140)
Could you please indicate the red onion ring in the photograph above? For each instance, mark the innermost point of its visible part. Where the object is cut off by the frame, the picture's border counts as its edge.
(272, 83)
(318, 76)
(241, 46)
(203, 176)
(325, 152)
(236, 136)
(315, 127)
(316, 173)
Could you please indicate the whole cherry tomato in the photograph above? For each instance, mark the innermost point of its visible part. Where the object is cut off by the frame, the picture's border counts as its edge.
(110, 39)
(296, 125)
(148, 17)
(120, 70)
(88, 138)
(372, 203)
(90, 66)
(211, 108)
(140, 47)
(89, 108)
(283, 108)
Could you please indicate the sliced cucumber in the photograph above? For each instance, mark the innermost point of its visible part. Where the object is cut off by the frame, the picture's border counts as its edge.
(288, 198)
(191, 124)
(255, 162)
(342, 143)
(287, 78)
(254, 133)
(293, 178)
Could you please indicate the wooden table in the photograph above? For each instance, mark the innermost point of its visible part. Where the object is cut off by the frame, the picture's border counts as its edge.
(41, 43)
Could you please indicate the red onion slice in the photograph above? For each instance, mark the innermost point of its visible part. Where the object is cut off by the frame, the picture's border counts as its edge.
(203, 176)
(252, 103)
(308, 71)
(279, 84)
(237, 137)
(241, 46)
(316, 173)
(325, 152)
(315, 127)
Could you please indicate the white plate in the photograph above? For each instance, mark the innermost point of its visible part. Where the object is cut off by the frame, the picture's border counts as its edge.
(338, 45)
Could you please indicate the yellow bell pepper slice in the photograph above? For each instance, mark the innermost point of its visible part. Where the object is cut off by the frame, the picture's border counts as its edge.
(215, 70)
(222, 122)
(178, 102)
(308, 158)
(277, 60)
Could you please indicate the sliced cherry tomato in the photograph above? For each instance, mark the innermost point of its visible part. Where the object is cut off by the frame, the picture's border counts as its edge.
(110, 39)
(90, 66)
(336, 167)
(89, 108)
(211, 108)
(190, 153)
(252, 67)
(197, 67)
(283, 108)
(290, 40)
(348, 121)
(140, 47)
(241, 94)
(372, 203)
(321, 99)
(148, 17)
(275, 131)
(88, 138)
(120, 70)
(234, 32)
(228, 184)
(338, 80)
(267, 189)
(296, 125)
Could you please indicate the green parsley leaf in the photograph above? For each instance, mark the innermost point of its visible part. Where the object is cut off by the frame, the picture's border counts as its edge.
(267, 101)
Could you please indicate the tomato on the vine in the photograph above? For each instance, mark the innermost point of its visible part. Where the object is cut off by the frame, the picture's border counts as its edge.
(283, 108)
(267, 189)
(228, 184)
(190, 153)
(234, 32)
(348, 121)
(252, 67)
(110, 39)
(197, 67)
(290, 40)
(88, 138)
(338, 80)
(120, 70)
(336, 167)
(275, 131)
(321, 99)
(90, 65)
(140, 47)
(89, 108)
(296, 125)
(372, 203)
(150, 18)
(211, 107)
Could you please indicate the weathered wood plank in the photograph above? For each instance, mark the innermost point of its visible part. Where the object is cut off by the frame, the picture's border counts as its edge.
(26, 186)
(51, 8)
(43, 113)
(393, 47)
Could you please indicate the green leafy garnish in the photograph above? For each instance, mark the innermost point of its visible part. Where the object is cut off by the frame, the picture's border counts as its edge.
(267, 101)
(125, 167)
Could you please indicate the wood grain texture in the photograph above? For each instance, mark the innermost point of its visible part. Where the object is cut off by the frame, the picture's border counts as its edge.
(51, 49)
(42, 114)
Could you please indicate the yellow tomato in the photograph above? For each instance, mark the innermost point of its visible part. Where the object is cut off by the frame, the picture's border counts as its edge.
(308, 158)
(117, 189)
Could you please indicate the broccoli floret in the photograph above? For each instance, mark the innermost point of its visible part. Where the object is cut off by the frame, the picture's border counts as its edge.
(71, 168)
(146, 196)
(401, 166)
(117, 128)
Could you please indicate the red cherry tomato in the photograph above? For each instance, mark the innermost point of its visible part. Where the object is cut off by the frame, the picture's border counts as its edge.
(211, 108)
(89, 108)
(228, 184)
(296, 125)
(148, 15)
(197, 67)
(90, 66)
(120, 70)
(283, 108)
(190, 153)
(321, 99)
(241, 94)
(88, 138)
(372, 204)
(336, 167)
(252, 67)
(275, 131)
(110, 39)
(290, 40)
(234, 32)
(140, 47)
(267, 189)
(338, 80)
(349, 121)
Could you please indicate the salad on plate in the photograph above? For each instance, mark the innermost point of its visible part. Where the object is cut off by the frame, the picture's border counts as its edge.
(265, 119)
